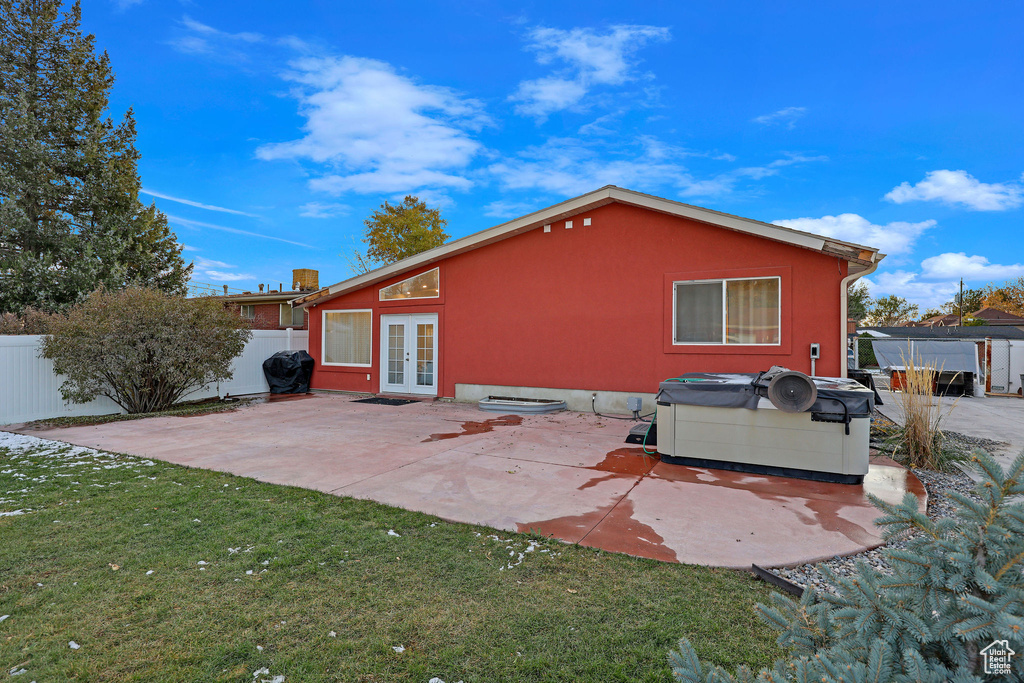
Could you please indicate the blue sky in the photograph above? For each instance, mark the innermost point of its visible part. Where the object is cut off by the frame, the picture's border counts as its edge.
(269, 130)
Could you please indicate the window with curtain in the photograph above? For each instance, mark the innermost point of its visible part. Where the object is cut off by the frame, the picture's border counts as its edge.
(736, 311)
(347, 337)
(292, 317)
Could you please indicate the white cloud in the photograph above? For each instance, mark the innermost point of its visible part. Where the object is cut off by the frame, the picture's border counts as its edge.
(503, 209)
(188, 223)
(960, 187)
(589, 59)
(216, 271)
(126, 4)
(210, 263)
(567, 167)
(323, 210)
(907, 285)
(188, 247)
(189, 202)
(784, 117)
(974, 268)
(199, 38)
(382, 131)
(892, 238)
(226, 277)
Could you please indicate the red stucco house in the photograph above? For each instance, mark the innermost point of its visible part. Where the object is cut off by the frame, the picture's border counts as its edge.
(608, 293)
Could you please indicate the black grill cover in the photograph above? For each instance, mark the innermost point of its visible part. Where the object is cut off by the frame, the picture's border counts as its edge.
(288, 372)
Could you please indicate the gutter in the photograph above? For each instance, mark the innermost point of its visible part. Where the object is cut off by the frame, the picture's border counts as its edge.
(844, 293)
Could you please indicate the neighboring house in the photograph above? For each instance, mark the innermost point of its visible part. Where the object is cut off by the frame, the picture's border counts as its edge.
(269, 309)
(611, 292)
(946, 320)
(993, 316)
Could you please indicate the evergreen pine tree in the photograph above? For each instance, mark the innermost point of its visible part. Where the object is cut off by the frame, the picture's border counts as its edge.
(956, 587)
(70, 216)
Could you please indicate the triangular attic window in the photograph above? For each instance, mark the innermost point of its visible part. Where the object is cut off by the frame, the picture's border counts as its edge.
(423, 286)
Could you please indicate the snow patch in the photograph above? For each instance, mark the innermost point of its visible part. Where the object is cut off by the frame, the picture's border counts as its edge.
(73, 645)
(391, 532)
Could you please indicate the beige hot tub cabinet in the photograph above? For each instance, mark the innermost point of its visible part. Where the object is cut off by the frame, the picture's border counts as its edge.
(721, 421)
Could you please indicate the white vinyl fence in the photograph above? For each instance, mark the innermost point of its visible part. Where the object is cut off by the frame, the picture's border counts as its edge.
(29, 389)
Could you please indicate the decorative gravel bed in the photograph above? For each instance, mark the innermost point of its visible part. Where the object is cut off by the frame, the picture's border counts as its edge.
(938, 484)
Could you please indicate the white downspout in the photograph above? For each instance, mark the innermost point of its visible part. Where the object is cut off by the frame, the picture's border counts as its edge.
(844, 308)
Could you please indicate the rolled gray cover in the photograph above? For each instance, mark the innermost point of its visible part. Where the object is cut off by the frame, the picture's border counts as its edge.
(734, 390)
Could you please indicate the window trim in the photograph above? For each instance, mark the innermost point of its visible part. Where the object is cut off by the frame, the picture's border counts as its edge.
(323, 337)
(241, 311)
(380, 290)
(725, 310)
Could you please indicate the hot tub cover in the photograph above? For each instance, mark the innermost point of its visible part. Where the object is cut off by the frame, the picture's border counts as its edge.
(736, 390)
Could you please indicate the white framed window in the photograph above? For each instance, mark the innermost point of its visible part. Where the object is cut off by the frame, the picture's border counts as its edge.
(733, 311)
(248, 311)
(423, 286)
(292, 317)
(347, 338)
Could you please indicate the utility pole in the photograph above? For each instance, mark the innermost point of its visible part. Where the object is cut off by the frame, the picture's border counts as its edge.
(961, 302)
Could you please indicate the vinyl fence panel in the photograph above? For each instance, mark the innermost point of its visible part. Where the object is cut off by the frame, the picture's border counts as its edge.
(30, 390)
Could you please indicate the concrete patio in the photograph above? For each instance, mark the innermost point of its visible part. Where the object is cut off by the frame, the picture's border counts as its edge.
(569, 475)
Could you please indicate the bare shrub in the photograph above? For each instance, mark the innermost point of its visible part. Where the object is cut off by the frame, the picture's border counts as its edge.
(143, 349)
(920, 436)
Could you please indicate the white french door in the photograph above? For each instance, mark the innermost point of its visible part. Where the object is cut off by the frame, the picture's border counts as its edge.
(408, 354)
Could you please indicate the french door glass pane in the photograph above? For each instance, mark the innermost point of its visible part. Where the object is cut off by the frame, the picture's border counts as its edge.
(753, 311)
(425, 355)
(396, 354)
(699, 313)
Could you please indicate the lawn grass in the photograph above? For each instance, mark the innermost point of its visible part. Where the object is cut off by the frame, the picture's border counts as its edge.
(286, 567)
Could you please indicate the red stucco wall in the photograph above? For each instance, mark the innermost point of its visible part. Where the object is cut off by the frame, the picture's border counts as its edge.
(590, 307)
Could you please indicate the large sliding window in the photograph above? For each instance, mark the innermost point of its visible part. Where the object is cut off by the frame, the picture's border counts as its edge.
(729, 311)
(347, 338)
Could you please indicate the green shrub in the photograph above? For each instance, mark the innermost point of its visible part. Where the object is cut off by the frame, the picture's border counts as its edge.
(955, 588)
(144, 349)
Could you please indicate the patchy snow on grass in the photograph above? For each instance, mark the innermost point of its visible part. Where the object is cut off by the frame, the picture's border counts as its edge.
(14, 513)
(391, 532)
(398, 648)
(264, 671)
(73, 645)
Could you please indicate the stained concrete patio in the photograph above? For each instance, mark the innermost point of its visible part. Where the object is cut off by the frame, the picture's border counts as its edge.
(569, 475)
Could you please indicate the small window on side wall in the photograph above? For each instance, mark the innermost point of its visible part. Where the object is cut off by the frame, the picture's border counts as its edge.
(423, 286)
(248, 311)
(743, 311)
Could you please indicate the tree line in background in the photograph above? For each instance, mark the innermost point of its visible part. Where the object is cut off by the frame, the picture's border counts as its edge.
(892, 310)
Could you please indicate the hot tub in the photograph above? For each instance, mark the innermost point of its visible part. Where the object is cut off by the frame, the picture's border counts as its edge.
(724, 421)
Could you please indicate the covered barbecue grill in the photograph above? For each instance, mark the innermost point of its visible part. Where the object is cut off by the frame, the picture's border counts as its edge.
(805, 427)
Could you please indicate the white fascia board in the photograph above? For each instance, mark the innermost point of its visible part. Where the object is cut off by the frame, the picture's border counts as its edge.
(724, 220)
